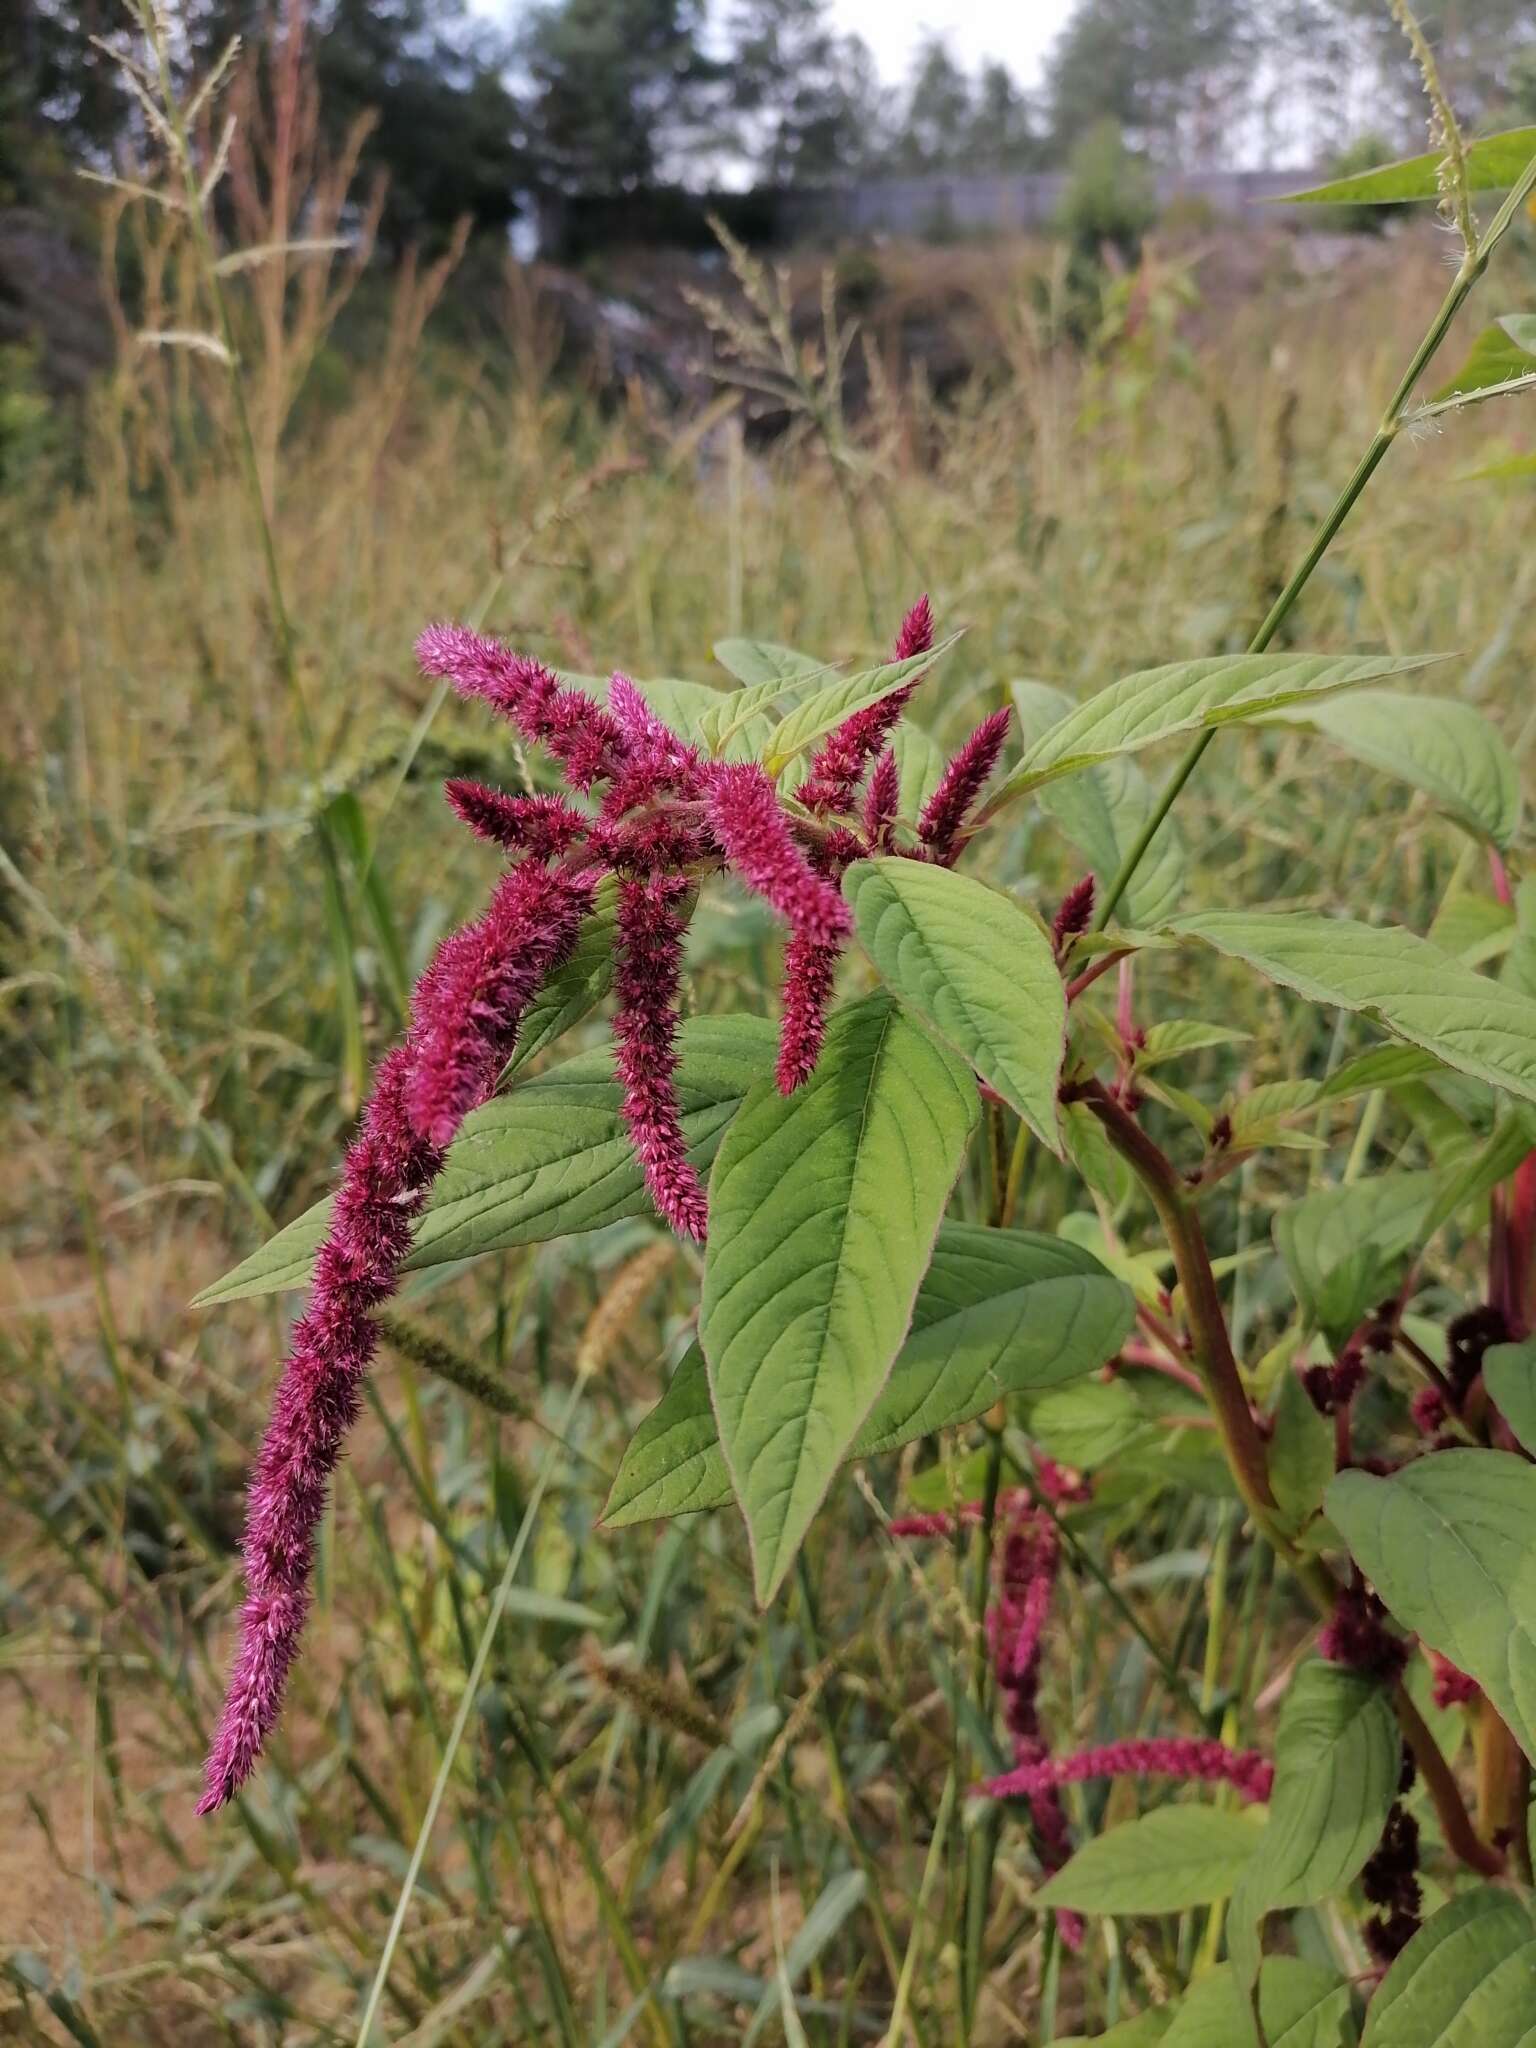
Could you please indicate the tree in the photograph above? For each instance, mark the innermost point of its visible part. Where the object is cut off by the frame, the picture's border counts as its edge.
(1485, 53)
(809, 98)
(1168, 73)
(620, 87)
(61, 97)
(938, 111)
(1001, 135)
(449, 132)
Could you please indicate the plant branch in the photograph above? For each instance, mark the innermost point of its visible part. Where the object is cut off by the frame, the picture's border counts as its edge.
(1244, 1446)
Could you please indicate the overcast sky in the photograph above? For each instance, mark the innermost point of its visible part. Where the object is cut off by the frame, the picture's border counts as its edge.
(1018, 31)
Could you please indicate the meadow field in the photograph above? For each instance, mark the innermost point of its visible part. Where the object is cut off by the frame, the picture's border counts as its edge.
(671, 1817)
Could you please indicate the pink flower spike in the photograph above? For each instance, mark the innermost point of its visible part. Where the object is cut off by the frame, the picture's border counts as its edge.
(650, 955)
(383, 1184)
(916, 635)
(541, 825)
(810, 969)
(882, 799)
(472, 997)
(755, 837)
(579, 733)
(845, 754)
(946, 810)
(1186, 1758)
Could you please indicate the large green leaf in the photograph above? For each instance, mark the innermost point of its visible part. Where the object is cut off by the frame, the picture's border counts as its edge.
(760, 663)
(1144, 2031)
(1509, 1374)
(824, 710)
(1174, 1857)
(1494, 163)
(1190, 696)
(1343, 1246)
(1102, 811)
(1440, 746)
(1449, 1543)
(1503, 354)
(550, 1158)
(1466, 1980)
(824, 1207)
(1338, 1756)
(1478, 1026)
(976, 969)
(1301, 2004)
(999, 1312)
(574, 990)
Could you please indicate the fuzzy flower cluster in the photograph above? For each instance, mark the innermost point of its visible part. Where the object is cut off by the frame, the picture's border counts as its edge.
(656, 814)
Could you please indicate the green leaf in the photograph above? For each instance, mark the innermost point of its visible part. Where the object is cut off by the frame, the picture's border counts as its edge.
(574, 990)
(765, 662)
(1478, 1026)
(1301, 1453)
(999, 1312)
(976, 969)
(1102, 811)
(1466, 1980)
(1494, 163)
(1502, 354)
(550, 1158)
(1175, 1857)
(1449, 1543)
(1190, 696)
(1468, 1180)
(826, 709)
(1144, 2031)
(824, 1208)
(1438, 745)
(1301, 2004)
(1509, 1374)
(1344, 1246)
(1384, 1066)
(1338, 1756)
(1176, 1036)
(1088, 1425)
(919, 768)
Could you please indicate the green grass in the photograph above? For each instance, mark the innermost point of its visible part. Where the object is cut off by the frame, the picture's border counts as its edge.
(610, 1861)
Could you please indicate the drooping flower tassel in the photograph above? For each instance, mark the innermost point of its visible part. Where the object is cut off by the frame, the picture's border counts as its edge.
(467, 1011)
(650, 953)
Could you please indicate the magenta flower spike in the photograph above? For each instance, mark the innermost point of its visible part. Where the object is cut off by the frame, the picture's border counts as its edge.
(650, 957)
(386, 1177)
(1188, 1759)
(839, 766)
(581, 735)
(882, 799)
(470, 1000)
(946, 811)
(810, 968)
(467, 1008)
(754, 833)
(541, 825)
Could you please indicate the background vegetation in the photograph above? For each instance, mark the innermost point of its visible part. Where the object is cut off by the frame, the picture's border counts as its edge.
(660, 1784)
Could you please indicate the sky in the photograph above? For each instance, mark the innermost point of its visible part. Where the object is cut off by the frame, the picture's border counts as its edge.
(1019, 31)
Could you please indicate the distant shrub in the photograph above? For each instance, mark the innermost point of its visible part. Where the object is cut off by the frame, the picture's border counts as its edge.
(1109, 200)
